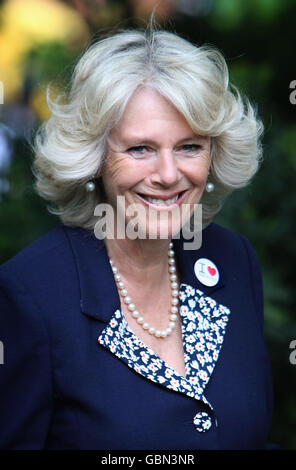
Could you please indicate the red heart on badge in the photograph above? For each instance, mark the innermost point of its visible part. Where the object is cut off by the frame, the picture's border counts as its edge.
(212, 271)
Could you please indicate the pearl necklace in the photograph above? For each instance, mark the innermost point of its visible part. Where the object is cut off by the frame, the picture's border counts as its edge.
(175, 301)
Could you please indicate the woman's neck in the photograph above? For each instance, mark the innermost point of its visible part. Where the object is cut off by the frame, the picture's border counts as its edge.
(144, 270)
(138, 255)
(143, 264)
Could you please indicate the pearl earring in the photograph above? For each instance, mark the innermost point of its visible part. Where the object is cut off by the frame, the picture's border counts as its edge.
(90, 186)
(210, 187)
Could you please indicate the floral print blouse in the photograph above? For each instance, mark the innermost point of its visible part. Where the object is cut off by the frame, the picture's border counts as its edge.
(203, 328)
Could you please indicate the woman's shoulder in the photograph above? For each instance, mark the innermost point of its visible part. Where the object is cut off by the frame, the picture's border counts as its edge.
(222, 243)
(43, 247)
(214, 232)
(43, 274)
(43, 257)
(231, 248)
(228, 244)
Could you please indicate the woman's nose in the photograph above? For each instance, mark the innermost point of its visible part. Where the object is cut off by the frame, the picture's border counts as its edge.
(166, 170)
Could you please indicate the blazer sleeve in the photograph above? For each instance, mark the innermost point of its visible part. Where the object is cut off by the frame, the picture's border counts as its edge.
(256, 280)
(25, 372)
(257, 288)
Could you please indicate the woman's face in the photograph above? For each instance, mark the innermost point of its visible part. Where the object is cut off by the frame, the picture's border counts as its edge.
(156, 161)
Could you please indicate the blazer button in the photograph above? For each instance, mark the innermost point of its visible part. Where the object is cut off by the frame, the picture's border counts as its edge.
(202, 421)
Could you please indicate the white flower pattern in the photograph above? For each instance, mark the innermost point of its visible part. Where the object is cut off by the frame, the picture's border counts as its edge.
(203, 328)
(202, 421)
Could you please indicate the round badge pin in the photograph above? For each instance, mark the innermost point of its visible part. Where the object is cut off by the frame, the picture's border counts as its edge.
(206, 272)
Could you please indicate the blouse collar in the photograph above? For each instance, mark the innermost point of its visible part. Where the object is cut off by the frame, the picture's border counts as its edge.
(203, 323)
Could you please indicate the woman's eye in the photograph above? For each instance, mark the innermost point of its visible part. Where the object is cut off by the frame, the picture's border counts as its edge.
(139, 150)
(191, 148)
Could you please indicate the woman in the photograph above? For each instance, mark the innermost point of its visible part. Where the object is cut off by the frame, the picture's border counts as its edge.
(118, 337)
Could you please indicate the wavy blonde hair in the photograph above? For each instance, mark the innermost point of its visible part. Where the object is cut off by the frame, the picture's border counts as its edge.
(70, 147)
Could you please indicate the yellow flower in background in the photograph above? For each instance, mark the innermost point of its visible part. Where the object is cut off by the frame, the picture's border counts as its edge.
(41, 20)
(26, 23)
(11, 50)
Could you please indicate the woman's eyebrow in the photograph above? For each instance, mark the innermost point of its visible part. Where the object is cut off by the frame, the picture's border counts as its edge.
(192, 139)
(142, 140)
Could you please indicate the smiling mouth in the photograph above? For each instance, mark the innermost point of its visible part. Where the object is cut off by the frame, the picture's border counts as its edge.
(163, 201)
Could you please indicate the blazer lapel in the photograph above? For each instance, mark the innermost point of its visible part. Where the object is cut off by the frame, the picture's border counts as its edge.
(186, 260)
(98, 293)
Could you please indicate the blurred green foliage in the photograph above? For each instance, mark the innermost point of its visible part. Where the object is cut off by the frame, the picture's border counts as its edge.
(257, 39)
(49, 61)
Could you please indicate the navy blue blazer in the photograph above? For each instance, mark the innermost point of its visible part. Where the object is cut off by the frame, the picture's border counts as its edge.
(63, 389)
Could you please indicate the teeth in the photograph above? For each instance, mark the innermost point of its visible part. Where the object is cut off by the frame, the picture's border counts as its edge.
(161, 202)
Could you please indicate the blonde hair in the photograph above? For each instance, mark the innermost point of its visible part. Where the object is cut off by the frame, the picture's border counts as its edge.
(70, 147)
